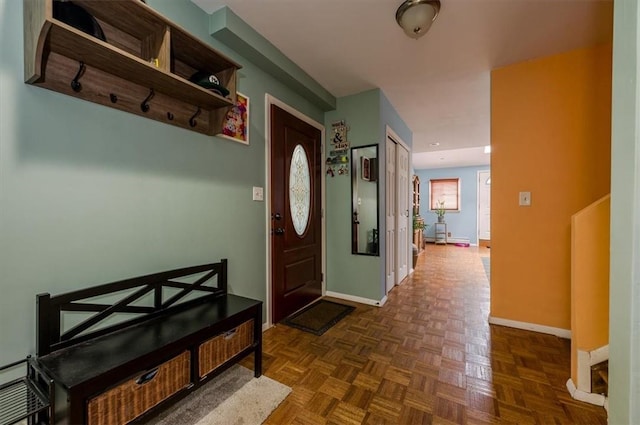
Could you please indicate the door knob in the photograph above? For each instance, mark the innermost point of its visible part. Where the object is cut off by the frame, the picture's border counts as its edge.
(278, 231)
(276, 216)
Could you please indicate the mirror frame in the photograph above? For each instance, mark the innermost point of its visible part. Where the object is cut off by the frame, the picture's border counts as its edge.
(359, 174)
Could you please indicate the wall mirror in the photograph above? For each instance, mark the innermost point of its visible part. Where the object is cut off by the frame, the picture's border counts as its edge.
(364, 200)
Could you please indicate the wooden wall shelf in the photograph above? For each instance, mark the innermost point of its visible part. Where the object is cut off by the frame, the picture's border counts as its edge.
(143, 52)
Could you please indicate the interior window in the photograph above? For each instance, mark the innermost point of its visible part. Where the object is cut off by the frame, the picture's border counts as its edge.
(444, 193)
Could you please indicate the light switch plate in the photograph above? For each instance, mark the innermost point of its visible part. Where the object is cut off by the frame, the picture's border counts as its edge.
(525, 199)
(258, 194)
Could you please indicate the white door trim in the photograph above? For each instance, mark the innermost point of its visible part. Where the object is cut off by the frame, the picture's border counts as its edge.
(390, 210)
(393, 136)
(402, 214)
(478, 185)
(271, 100)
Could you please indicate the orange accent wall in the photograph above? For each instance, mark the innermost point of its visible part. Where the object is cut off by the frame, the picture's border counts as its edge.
(551, 136)
(590, 241)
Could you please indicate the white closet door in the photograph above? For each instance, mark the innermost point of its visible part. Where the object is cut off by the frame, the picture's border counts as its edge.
(390, 215)
(402, 213)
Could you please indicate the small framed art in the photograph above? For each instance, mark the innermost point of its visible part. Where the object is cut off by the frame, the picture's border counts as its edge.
(236, 123)
(366, 169)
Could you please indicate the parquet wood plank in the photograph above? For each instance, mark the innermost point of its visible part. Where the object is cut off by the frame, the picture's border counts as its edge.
(359, 397)
(428, 356)
(385, 408)
(414, 416)
(335, 388)
(367, 381)
(420, 400)
(347, 414)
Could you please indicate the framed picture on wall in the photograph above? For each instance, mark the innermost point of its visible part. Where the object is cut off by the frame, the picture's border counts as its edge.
(236, 123)
(366, 169)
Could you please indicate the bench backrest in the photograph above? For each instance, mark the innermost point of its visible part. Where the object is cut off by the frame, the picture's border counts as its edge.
(145, 297)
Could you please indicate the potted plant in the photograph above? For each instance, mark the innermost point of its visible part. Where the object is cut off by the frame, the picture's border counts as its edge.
(418, 224)
(440, 211)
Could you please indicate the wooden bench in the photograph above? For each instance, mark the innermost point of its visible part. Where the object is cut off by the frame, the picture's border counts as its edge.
(166, 334)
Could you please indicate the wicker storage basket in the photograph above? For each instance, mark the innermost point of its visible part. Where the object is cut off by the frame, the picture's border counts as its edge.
(217, 350)
(132, 398)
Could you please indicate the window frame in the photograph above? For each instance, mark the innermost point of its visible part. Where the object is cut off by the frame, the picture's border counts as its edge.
(447, 189)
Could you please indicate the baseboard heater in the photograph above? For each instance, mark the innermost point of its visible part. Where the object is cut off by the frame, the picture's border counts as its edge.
(453, 241)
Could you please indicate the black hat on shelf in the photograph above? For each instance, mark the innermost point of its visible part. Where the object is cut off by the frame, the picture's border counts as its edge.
(74, 15)
(209, 82)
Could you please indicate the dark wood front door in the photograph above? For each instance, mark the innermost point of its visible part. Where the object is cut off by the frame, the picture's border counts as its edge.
(296, 222)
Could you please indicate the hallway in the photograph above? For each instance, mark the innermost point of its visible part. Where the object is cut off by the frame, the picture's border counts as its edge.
(427, 356)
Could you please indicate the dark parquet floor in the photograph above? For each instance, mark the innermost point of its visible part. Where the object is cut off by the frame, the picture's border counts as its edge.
(428, 356)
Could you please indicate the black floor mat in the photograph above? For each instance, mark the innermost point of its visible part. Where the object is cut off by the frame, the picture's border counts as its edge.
(318, 317)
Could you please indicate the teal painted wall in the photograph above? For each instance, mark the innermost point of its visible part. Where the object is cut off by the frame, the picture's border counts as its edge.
(389, 116)
(624, 296)
(252, 81)
(367, 114)
(355, 275)
(90, 195)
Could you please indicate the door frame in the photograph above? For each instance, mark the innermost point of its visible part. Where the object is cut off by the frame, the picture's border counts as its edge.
(272, 100)
(478, 182)
(393, 136)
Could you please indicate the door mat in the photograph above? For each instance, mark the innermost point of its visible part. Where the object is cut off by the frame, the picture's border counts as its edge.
(318, 317)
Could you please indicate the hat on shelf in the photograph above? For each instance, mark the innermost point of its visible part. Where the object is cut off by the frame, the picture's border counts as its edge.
(77, 17)
(209, 82)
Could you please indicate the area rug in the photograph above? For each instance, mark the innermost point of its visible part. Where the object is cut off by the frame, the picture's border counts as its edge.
(318, 317)
(234, 397)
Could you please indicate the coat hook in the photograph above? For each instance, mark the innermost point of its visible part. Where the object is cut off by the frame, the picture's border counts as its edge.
(192, 120)
(113, 97)
(75, 83)
(145, 103)
(169, 116)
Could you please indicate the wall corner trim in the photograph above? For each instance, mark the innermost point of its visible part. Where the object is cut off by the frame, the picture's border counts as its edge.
(561, 333)
(357, 299)
(597, 399)
(230, 29)
(587, 359)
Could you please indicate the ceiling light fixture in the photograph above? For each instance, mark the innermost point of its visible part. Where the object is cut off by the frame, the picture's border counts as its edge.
(416, 16)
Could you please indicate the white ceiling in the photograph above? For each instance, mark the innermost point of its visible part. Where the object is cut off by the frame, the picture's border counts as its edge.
(440, 83)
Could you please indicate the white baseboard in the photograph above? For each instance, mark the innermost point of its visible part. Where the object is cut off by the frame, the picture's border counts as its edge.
(583, 370)
(356, 299)
(586, 359)
(452, 241)
(599, 355)
(597, 399)
(561, 333)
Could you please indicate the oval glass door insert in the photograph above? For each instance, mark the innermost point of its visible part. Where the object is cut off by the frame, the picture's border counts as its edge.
(300, 190)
